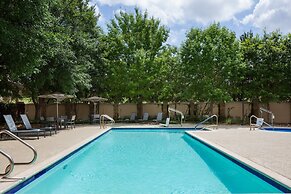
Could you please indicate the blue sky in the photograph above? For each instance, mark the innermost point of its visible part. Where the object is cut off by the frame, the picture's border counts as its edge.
(182, 15)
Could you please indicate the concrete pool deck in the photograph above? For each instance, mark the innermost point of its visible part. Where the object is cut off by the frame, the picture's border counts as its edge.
(265, 148)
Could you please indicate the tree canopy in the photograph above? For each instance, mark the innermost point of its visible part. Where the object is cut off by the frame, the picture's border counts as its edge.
(57, 46)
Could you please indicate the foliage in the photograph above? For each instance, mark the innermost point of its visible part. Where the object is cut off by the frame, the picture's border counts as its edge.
(209, 58)
(56, 46)
(70, 37)
(20, 43)
(267, 66)
(134, 42)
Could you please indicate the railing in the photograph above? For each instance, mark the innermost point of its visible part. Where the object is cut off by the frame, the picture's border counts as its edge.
(102, 120)
(207, 119)
(24, 143)
(179, 112)
(272, 116)
(10, 167)
(254, 124)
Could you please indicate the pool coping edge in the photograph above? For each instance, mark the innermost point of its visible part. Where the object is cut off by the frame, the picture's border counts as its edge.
(274, 176)
(50, 162)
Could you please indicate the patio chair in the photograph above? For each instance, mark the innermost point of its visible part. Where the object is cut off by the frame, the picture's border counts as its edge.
(51, 122)
(28, 126)
(159, 117)
(71, 122)
(62, 122)
(132, 117)
(259, 123)
(145, 117)
(95, 118)
(167, 123)
(12, 127)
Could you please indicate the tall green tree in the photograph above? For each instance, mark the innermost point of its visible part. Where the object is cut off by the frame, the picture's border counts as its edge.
(71, 38)
(20, 41)
(134, 41)
(208, 59)
(266, 59)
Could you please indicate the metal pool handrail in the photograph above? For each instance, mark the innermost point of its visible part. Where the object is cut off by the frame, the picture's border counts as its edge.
(179, 112)
(102, 120)
(252, 124)
(24, 143)
(9, 168)
(207, 119)
(269, 112)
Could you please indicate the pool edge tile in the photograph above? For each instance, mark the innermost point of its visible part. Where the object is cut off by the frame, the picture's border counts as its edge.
(34, 172)
(274, 176)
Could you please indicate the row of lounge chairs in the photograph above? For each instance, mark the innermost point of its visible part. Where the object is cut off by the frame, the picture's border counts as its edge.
(29, 130)
(145, 117)
(95, 118)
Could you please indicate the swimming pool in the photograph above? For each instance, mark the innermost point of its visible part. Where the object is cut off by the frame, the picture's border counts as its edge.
(280, 129)
(146, 161)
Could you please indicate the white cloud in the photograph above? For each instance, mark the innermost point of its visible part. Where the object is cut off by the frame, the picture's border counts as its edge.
(94, 4)
(272, 15)
(101, 19)
(182, 11)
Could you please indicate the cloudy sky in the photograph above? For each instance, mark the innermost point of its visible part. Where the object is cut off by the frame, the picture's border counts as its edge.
(181, 15)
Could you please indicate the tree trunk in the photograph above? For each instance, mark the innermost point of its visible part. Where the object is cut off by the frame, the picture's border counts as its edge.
(255, 108)
(165, 109)
(242, 112)
(221, 110)
(191, 109)
(115, 110)
(139, 108)
(39, 107)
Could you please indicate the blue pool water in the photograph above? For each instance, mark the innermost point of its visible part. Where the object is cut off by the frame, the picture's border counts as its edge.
(146, 161)
(280, 129)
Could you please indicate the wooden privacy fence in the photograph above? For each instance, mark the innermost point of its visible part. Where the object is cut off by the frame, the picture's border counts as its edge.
(232, 110)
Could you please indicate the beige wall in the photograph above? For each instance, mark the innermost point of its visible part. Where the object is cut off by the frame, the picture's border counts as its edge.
(106, 108)
(181, 107)
(282, 111)
(152, 109)
(82, 111)
(127, 109)
(30, 110)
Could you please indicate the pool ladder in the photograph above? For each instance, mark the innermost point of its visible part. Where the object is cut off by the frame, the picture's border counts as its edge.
(214, 126)
(9, 168)
(102, 120)
(179, 112)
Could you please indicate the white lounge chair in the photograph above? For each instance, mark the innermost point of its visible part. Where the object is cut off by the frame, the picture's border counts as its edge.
(167, 123)
(145, 117)
(159, 117)
(132, 117)
(12, 127)
(28, 126)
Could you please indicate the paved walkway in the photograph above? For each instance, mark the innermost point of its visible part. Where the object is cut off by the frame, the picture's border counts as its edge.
(268, 149)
